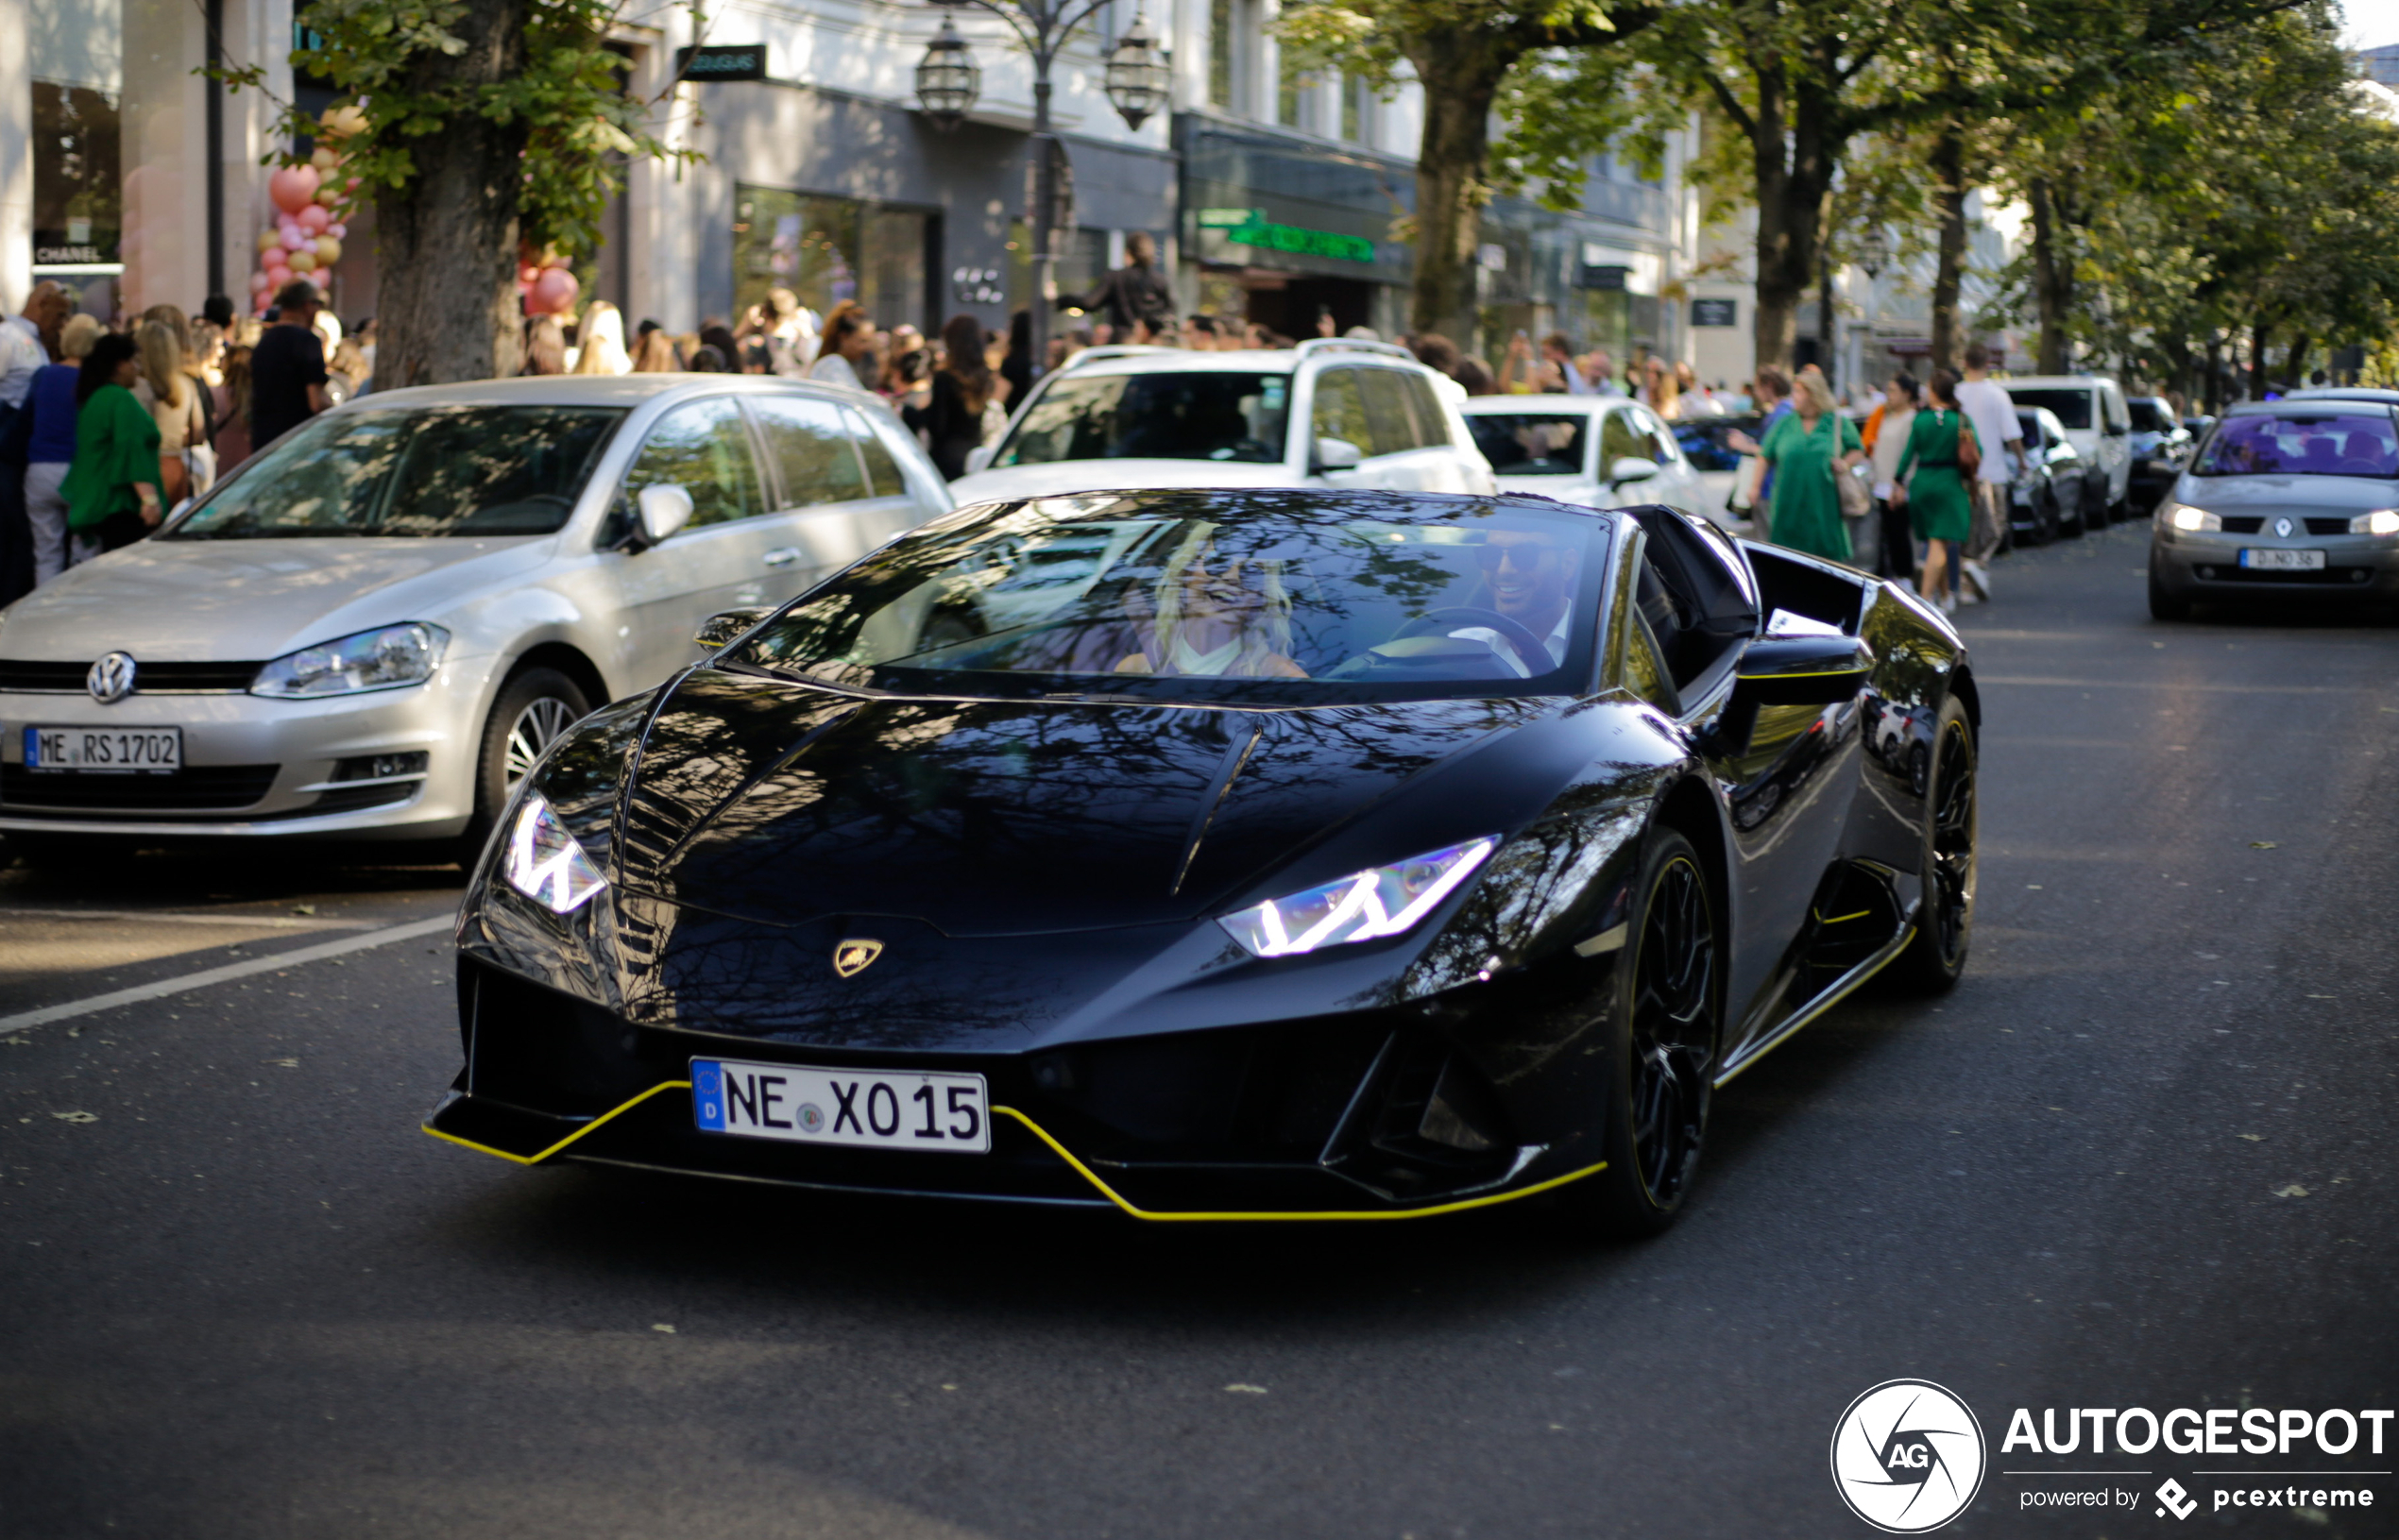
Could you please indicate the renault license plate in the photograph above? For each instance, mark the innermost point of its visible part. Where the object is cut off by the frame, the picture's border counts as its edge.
(2282, 561)
(113, 750)
(865, 1109)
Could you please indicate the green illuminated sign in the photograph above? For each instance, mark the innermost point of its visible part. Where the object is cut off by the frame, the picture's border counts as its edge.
(1302, 243)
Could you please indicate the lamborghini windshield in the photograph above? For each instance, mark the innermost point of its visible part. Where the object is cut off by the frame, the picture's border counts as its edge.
(1294, 598)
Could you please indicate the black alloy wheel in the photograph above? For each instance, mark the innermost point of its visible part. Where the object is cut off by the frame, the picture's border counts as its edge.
(533, 709)
(1935, 956)
(1666, 1038)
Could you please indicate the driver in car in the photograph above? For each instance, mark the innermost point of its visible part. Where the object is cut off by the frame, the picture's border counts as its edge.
(1530, 577)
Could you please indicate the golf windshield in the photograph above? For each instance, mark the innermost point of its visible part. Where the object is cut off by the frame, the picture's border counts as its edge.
(1211, 414)
(459, 470)
(1274, 599)
(2304, 444)
(2071, 404)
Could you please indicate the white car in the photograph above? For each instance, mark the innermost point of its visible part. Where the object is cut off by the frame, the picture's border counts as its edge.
(1329, 412)
(1598, 451)
(375, 627)
(2097, 423)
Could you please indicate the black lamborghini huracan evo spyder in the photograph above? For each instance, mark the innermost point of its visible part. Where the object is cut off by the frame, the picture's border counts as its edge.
(1227, 855)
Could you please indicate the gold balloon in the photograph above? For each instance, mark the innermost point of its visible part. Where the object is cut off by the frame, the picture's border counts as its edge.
(324, 160)
(302, 263)
(269, 239)
(328, 251)
(330, 193)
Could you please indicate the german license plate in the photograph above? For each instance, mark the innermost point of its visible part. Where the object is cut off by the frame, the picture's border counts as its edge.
(871, 1109)
(116, 751)
(2282, 561)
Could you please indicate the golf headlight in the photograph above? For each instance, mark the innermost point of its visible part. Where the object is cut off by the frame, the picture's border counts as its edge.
(2182, 516)
(1383, 901)
(2381, 521)
(372, 660)
(545, 864)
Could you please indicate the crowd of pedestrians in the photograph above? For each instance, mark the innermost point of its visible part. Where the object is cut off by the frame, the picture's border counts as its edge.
(104, 429)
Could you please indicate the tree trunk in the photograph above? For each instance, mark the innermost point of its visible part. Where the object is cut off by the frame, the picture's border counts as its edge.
(1461, 81)
(1949, 175)
(2053, 274)
(2295, 360)
(2215, 393)
(446, 244)
(2257, 335)
(1827, 332)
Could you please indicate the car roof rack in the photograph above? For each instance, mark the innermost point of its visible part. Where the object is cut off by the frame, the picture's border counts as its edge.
(1352, 345)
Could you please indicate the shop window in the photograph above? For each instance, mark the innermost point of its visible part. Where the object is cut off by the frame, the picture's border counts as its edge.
(1293, 89)
(1339, 413)
(1356, 107)
(893, 289)
(810, 446)
(1386, 412)
(705, 449)
(77, 208)
(1220, 47)
(797, 241)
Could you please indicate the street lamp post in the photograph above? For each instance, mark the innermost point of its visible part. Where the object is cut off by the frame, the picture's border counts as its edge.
(948, 82)
(1874, 255)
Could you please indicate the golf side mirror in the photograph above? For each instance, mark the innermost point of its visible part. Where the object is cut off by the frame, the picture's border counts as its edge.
(1335, 455)
(663, 510)
(1631, 467)
(719, 630)
(1790, 671)
(979, 457)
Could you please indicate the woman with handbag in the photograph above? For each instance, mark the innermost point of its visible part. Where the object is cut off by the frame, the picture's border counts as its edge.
(1812, 451)
(1943, 455)
(964, 389)
(173, 399)
(111, 488)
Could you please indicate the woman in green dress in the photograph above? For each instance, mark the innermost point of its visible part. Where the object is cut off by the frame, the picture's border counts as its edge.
(112, 487)
(1808, 449)
(1938, 508)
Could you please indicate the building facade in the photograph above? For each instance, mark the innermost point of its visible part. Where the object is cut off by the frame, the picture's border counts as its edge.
(1273, 195)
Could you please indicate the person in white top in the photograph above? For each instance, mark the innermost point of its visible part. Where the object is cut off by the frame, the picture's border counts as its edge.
(1986, 405)
(1531, 579)
(1214, 614)
(25, 339)
(600, 342)
(849, 339)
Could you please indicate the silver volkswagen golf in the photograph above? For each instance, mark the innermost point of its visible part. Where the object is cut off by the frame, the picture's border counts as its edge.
(375, 627)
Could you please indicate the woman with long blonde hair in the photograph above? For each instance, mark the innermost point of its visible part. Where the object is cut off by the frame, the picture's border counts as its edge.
(600, 341)
(1808, 449)
(1215, 615)
(174, 403)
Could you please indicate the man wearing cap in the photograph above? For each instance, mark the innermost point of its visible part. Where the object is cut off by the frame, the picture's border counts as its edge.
(287, 367)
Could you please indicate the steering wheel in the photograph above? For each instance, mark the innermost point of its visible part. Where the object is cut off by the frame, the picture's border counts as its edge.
(1528, 647)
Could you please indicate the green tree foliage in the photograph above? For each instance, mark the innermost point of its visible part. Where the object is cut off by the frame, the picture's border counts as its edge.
(1464, 53)
(479, 127)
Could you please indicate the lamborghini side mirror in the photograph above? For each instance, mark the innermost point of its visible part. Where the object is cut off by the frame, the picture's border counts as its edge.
(1791, 672)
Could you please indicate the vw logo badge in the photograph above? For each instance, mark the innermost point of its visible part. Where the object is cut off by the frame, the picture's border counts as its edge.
(2283, 527)
(110, 679)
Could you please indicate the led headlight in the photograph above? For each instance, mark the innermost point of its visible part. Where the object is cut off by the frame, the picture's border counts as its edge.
(2381, 521)
(1383, 901)
(545, 864)
(2184, 516)
(388, 659)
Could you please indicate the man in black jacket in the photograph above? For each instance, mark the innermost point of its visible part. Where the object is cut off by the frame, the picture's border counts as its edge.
(1135, 292)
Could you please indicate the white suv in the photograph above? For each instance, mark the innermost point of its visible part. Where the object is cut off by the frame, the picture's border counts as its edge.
(1329, 412)
(2091, 409)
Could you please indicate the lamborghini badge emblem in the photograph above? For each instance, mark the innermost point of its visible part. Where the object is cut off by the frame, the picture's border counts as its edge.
(852, 958)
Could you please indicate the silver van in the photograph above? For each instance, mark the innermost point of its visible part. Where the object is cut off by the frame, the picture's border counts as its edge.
(374, 627)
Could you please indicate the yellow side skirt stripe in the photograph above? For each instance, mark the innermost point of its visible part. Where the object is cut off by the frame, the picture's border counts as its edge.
(1086, 1172)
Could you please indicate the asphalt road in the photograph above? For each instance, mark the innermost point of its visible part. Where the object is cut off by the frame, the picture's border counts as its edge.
(2143, 1157)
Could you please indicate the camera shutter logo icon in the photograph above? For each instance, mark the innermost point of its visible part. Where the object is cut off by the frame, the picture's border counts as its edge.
(1908, 1456)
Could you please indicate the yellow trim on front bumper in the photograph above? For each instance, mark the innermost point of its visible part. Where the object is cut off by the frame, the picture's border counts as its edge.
(1118, 1199)
(537, 1159)
(1087, 1173)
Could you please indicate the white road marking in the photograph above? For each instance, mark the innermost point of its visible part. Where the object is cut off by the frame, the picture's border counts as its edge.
(254, 921)
(226, 974)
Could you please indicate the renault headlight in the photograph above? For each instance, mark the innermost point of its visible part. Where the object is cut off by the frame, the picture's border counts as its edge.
(545, 864)
(388, 659)
(1382, 900)
(2182, 516)
(2381, 521)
